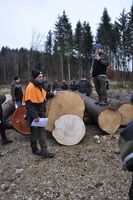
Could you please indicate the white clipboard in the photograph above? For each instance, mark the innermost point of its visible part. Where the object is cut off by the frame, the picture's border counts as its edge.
(41, 123)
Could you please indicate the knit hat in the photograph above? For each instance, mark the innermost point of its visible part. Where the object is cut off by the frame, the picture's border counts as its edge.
(98, 46)
(16, 78)
(35, 73)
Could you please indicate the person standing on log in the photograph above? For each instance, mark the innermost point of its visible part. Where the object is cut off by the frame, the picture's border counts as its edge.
(2, 122)
(100, 65)
(16, 92)
(34, 98)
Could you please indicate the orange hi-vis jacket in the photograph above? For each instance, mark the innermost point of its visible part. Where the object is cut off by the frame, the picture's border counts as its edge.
(34, 94)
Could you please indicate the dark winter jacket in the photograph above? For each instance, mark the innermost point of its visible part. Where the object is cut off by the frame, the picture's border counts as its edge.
(126, 146)
(100, 66)
(16, 92)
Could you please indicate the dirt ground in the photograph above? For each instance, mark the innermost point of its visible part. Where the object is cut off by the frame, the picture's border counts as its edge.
(86, 171)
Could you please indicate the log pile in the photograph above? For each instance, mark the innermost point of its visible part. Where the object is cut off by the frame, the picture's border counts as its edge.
(68, 104)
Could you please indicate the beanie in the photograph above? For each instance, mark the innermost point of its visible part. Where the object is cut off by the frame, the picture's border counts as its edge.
(16, 78)
(35, 73)
(98, 46)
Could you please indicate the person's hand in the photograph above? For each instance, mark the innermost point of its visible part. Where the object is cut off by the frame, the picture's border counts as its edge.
(36, 120)
(55, 92)
(98, 57)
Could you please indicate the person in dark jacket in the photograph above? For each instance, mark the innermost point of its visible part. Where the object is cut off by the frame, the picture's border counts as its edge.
(16, 92)
(125, 144)
(56, 85)
(2, 122)
(64, 85)
(73, 85)
(85, 85)
(100, 64)
(34, 98)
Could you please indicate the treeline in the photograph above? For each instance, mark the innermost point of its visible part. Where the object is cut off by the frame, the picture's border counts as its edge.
(68, 53)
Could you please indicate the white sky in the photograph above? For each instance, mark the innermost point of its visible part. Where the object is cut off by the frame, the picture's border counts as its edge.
(19, 19)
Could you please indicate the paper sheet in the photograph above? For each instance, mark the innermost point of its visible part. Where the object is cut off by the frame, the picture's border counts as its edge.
(41, 123)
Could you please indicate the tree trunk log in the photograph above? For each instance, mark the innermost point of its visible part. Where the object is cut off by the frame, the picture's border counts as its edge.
(108, 119)
(66, 102)
(69, 130)
(126, 111)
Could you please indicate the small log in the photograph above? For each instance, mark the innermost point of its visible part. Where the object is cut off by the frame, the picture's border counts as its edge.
(69, 130)
(65, 102)
(126, 111)
(107, 118)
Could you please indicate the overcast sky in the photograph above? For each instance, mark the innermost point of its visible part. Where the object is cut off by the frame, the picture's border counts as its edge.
(20, 19)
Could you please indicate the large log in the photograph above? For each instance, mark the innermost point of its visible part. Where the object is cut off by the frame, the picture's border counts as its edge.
(69, 130)
(66, 102)
(126, 111)
(108, 119)
(8, 109)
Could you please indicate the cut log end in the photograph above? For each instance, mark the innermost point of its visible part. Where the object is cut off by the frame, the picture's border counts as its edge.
(18, 121)
(109, 120)
(66, 102)
(69, 130)
(126, 111)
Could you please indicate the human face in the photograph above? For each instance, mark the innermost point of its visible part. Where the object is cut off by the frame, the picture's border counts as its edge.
(39, 78)
(18, 80)
(98, 50)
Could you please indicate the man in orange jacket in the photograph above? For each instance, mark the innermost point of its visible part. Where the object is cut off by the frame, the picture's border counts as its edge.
(34, 97)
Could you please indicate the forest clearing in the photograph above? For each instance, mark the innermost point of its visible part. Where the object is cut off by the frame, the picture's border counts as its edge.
(90, 170)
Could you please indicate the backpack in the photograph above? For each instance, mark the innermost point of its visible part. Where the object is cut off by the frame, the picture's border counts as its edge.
(125, 144)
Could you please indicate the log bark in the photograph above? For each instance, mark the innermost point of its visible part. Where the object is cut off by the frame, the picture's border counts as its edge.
(69, 130)
(126, 111)
(8, 109)
(108, 119)
(2, 98)
(66, 102)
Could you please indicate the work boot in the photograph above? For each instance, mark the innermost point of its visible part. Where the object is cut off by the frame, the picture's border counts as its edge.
(46, 154)
(104, 103)
(6, 141)
(34, 148)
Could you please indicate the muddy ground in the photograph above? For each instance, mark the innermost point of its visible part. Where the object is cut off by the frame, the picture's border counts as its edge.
(86, 171)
